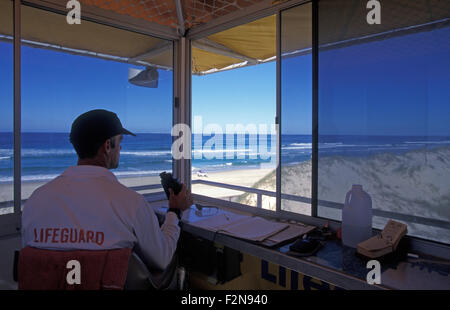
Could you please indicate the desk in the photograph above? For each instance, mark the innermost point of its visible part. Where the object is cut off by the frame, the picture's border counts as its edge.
(333, 264)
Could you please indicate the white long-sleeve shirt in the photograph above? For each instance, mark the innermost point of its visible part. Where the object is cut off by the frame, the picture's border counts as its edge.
(88, 208)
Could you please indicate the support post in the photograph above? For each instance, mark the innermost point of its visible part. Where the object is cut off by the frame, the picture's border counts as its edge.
(17, 114)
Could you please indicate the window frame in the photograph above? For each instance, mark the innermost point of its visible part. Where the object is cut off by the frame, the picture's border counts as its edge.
(182, 96)
(439, 249)
(10, 224)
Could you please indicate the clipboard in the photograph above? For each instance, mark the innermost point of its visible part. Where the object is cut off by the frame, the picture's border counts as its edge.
(253, 228)
(294, 231)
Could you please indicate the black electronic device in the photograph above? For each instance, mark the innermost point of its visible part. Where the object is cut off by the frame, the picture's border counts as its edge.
(305, 247)
(168, 181)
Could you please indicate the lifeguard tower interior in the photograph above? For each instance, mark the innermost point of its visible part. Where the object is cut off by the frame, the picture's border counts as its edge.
(346, 92)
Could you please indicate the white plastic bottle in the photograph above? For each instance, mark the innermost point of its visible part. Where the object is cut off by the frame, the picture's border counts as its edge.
(356, 217)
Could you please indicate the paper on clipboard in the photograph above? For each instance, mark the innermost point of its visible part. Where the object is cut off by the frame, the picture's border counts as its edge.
(242, 226)
(292, 232)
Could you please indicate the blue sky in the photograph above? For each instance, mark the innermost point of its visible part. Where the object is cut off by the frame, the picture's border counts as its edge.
(241, 96)
(57, 87)
(398, 86)
(393, 87)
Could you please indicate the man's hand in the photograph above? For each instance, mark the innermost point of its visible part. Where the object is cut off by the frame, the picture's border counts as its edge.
(181, 201)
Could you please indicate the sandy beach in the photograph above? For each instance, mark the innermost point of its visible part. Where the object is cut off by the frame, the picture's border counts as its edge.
(244, 177)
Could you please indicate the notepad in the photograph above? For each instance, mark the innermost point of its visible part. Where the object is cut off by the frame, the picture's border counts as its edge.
(292, 232)
(242, 226)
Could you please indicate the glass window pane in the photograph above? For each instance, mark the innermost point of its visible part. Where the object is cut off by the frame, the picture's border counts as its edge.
(6, 107)
(296, 109)
(384, 113)
(95, 69)
(233, 114)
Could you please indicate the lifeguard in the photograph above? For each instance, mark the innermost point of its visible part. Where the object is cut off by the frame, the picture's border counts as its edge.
(87, 208)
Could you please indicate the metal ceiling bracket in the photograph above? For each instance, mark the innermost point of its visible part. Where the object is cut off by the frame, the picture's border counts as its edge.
(181, 28)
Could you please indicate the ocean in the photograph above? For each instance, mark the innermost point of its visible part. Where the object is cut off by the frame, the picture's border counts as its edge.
(46, 155)
(403, 174)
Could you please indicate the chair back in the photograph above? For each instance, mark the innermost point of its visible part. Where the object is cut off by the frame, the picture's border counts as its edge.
(40, 269)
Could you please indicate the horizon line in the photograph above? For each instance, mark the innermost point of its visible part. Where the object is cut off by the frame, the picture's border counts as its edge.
(246, 133)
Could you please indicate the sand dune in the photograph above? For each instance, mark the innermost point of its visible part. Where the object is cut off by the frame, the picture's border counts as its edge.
(414, 183)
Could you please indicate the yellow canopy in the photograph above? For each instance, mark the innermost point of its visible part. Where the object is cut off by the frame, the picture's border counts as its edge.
(51, 30)
(203, 61)
(6, 18)
(255, 40)
(341, 22)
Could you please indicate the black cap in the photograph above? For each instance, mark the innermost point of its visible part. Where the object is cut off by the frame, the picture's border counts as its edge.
(97, 125)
